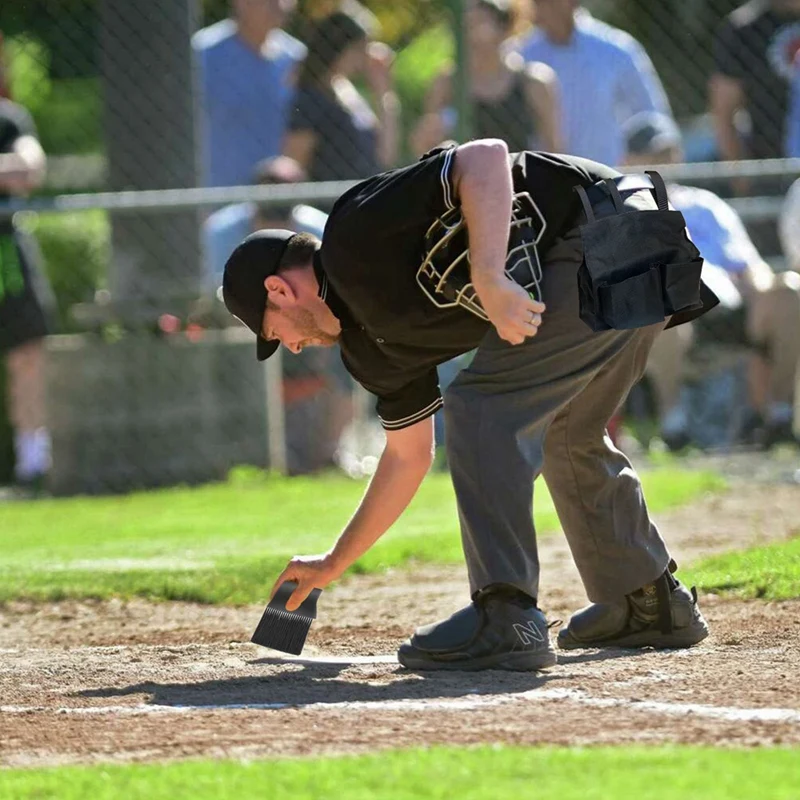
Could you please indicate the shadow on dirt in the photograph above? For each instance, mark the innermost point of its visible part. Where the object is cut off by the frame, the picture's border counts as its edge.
(300, 683)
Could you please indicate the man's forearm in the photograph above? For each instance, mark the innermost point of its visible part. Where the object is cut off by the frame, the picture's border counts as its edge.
(485, 191)
(390, 491)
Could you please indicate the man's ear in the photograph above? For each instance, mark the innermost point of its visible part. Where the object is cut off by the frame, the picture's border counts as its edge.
(279, 290)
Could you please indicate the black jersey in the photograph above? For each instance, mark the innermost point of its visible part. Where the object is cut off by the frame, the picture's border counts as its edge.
(393, 337)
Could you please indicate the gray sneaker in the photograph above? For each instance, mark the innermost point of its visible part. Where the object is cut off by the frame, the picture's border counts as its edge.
(500, 629)
(662, 614)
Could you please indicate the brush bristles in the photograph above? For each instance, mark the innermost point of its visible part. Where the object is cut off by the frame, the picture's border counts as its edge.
(282, 630)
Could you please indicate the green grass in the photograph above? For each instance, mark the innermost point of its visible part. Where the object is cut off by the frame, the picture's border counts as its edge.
(442, 773)
(226, 543)
(771, 572)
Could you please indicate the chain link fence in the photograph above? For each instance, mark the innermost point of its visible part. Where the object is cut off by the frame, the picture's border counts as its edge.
(149, 111)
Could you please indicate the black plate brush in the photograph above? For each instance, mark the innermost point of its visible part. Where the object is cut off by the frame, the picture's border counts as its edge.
(286, 630)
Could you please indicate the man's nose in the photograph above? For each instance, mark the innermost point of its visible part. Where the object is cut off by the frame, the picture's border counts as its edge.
(295, 347)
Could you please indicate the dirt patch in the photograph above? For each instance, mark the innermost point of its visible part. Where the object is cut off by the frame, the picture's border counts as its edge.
(134, 681)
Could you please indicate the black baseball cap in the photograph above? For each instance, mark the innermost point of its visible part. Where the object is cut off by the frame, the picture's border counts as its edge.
(243, 290)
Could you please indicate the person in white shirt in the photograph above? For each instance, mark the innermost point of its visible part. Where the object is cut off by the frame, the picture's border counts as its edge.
(771, 301)
(604, 77)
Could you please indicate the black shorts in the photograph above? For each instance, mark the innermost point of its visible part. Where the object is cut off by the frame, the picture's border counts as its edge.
(23, 292)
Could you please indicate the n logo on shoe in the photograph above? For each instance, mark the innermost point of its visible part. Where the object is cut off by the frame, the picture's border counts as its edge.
(528, 633)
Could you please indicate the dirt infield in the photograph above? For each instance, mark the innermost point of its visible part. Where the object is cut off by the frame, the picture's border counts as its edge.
(135, 681)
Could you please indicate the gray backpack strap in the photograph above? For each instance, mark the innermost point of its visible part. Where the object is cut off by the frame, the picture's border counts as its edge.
(587, 206)
(616, 197)
(660, 190)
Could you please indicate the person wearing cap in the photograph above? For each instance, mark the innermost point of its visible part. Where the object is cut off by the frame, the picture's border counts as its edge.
(534, 400)
(770, 302)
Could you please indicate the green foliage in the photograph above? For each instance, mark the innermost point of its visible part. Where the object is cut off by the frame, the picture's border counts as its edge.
(417, 65)
(68, 112)
(225, 543)
(71, 122)
(30, 73)
(436, 773)
(771, 572)
(76, 249)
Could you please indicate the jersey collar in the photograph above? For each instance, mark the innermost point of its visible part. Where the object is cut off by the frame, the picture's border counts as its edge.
(330, 295)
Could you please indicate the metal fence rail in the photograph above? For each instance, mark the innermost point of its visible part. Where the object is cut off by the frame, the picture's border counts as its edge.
(163, 122)
(750, 208)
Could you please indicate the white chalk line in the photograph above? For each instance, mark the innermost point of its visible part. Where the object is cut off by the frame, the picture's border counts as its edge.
(470, 703)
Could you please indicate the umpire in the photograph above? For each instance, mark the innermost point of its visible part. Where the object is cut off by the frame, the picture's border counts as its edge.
(561, 272)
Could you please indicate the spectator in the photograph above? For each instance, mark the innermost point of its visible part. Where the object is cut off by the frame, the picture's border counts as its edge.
(513, 101)
(247, 68)
(754, 50)
(792, 145)
(604, 76)
(769, 324)
(224, 229)
(23, 319)
(334, 133)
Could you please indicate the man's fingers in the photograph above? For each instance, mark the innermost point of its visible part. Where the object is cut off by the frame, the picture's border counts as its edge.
(535, 321)
(537, 306)
(302, 591)
(513, 336)
(288, 574)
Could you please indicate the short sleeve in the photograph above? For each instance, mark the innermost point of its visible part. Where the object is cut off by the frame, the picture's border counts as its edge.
(394, 208)
(727, 51)
(740, 252)
(402, 400)
(411, 403)
(641, 87)
(306, 113)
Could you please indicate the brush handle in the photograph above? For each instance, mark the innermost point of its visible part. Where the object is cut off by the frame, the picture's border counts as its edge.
(308, 608)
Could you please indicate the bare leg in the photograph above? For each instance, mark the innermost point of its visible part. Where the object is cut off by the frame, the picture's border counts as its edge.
(26, 400)
(774, 320)
(666, 363)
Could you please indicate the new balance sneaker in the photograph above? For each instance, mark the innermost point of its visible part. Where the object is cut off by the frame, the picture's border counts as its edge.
(500, 629)
(662, 614)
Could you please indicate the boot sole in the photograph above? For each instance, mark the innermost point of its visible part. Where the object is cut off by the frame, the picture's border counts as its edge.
(514, 662)
(684, 637)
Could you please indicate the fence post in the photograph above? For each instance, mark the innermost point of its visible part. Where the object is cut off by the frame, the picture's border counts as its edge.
(148, 88)
(276, 413)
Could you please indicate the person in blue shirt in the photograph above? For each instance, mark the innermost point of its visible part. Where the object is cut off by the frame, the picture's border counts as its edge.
(247, 68)
(769, 322)
(792, 143)
(604, 77)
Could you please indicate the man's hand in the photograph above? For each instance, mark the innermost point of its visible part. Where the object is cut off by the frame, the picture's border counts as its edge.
(310, 572)
(512, 311)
